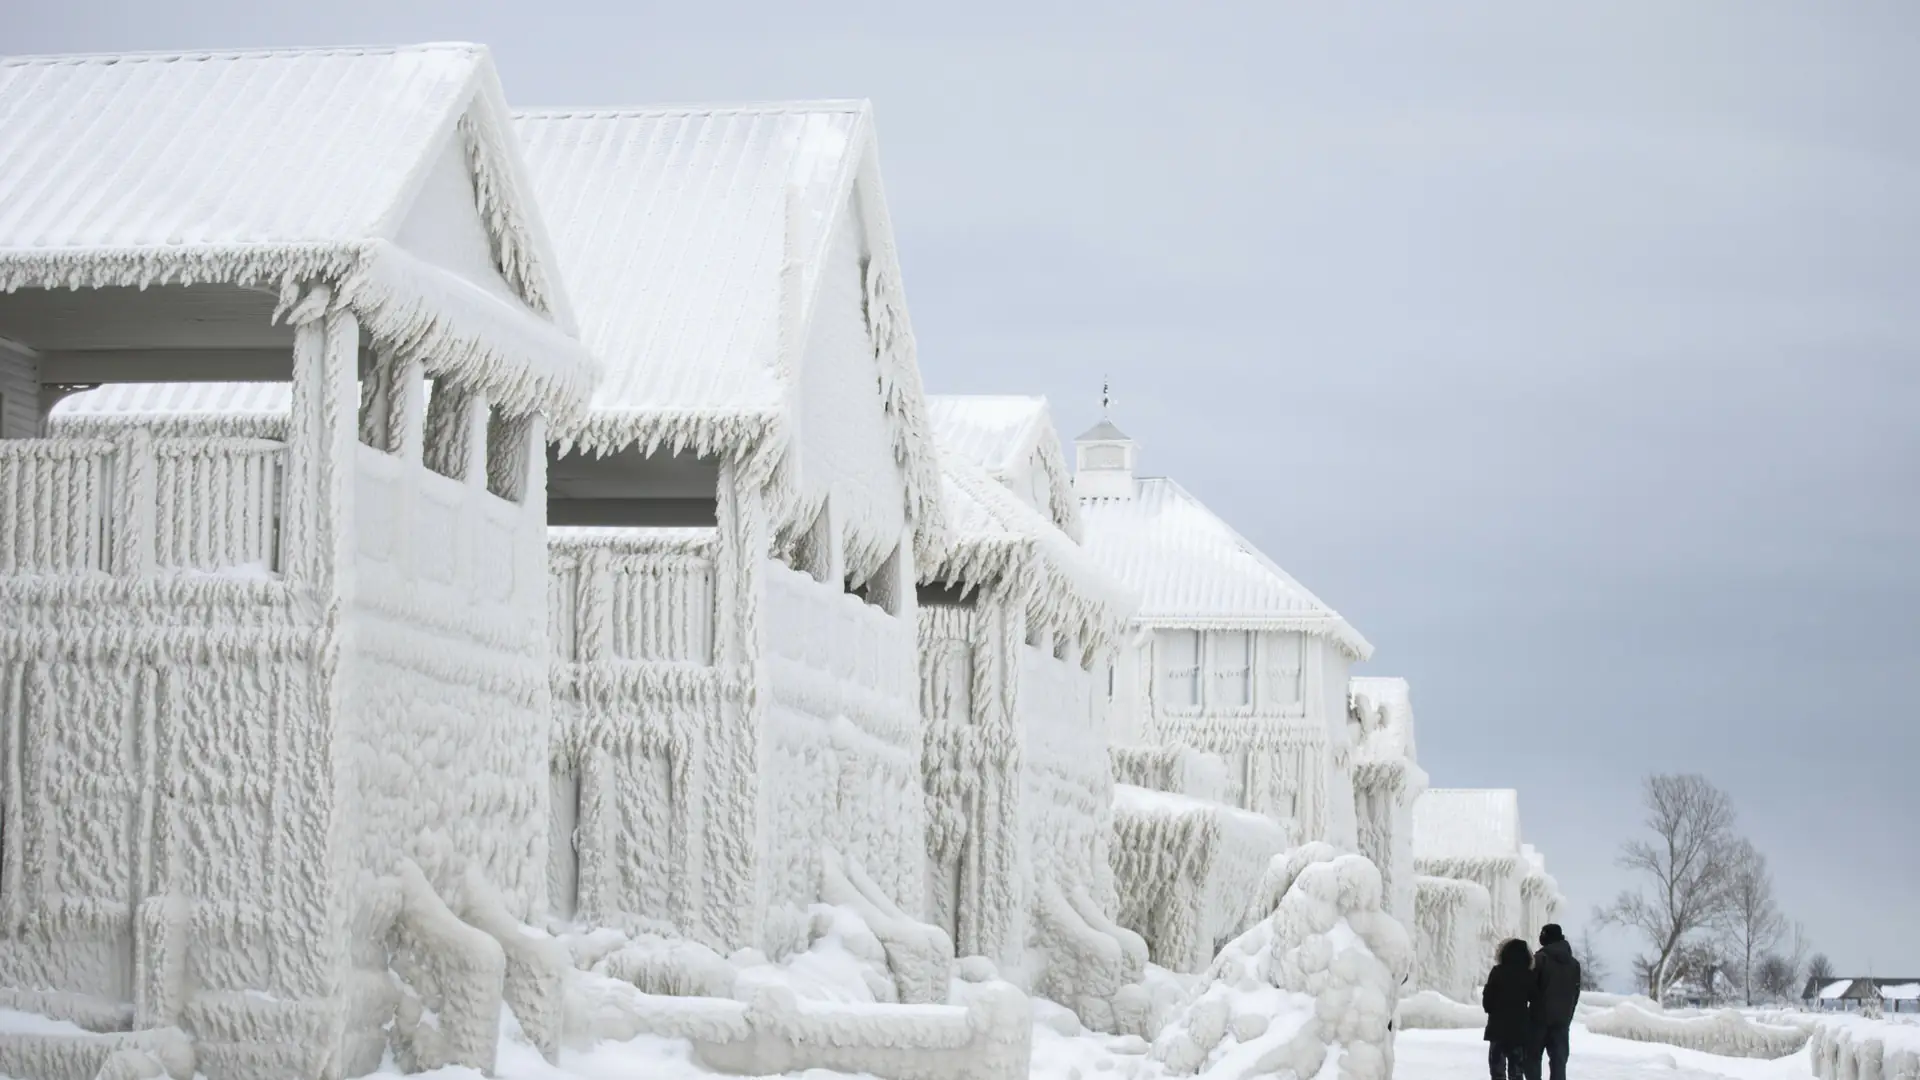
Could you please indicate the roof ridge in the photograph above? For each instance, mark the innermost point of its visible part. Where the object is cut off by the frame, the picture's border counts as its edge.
(169, 55)
(635, 112)
(1266, 562)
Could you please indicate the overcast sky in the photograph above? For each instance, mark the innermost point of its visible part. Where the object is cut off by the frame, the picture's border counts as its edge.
(1570, 354)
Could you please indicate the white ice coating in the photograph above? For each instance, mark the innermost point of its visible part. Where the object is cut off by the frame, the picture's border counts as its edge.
(1472, 835)
(1387, 781)
(1310, 987)
(1856, 1048)
(1184, 869)
(1452, 925)
(320, 749)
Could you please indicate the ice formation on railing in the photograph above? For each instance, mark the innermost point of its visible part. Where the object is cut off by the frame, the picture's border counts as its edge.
(1452, 923)
(137, 504)
(1184, 869)
(1310, 987)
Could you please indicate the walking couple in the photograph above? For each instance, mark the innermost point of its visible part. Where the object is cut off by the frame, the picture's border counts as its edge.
(1530, 998)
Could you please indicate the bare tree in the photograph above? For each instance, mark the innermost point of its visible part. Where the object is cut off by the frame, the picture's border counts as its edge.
(1820, 969)
(1775, 977)
(1754, 925)
(1687, 865)
(1593, 970)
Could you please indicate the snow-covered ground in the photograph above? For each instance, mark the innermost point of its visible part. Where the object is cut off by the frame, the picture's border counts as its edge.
(1420, 1055)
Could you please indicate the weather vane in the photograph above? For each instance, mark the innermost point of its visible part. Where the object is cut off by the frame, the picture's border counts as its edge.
(1106, 397)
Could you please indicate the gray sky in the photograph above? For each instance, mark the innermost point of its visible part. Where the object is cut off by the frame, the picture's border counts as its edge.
(1570, 354)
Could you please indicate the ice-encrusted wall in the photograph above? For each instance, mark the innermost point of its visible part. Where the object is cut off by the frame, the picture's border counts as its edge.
(1184, 870)
(1387, 781)
(842, 759)
(1272, 704)
(247, 681)
(1452, 927)
(1019, 795)
(637, 695)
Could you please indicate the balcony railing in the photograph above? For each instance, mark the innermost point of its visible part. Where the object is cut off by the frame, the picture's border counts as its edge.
(632, 594)
(138, 505)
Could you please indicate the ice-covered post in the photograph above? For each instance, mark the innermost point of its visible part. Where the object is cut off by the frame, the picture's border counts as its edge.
(320, 437)
(133, 508)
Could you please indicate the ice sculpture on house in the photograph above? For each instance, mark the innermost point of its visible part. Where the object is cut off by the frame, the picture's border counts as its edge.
(1387, 780)
(1015, 630)
(1540, 899)
(1452, 923)
(1473, 835)
(736, 522)
(256, 639)
(1308, 990)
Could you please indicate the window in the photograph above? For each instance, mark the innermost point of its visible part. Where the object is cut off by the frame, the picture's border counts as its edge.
(1282, 672)
(1179, 667)
(1232, 660)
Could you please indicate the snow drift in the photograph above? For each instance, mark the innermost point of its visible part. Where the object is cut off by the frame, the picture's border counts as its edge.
(1726, 1033)
(1316, 979)
(1432, 1010)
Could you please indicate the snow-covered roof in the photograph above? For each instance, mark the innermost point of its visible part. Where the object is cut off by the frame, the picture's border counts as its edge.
(995, 535)
(280, 168)
(1836, 990)
(253, 409)
(1901, 991)
(1194, 570)
(695, 240)
(1004, 433)
(1104, 431)
(1467, 823)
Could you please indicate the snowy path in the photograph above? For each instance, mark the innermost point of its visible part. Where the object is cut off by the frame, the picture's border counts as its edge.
(1419, 1055)
(1461, 1055)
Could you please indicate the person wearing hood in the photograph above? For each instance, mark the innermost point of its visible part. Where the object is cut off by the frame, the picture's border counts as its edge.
(1508, 998)
(1556, 993)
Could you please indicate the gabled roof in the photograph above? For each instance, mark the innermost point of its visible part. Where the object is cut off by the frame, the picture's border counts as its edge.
(281, 168)
(1193, 570)
(1003, 433)
(694, 238)
(996, 537)
(251, 409)
(1104, 431)
(1467, 823)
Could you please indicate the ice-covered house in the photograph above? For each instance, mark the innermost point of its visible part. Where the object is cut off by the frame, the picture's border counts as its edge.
(1016, 628)
(1471, 836)
(1234, 657)
(273, 652)
(737, 522)
(1229, 715)
(1540, 899)
(1387, 780)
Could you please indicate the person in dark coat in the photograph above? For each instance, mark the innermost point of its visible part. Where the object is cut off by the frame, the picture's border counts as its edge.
(1556, 993)
(1508, 999)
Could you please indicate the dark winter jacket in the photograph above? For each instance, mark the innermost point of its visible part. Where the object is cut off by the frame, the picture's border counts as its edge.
(1507, 998)
(1556, 985)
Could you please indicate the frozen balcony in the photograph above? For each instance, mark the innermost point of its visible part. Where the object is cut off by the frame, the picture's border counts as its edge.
(138, 506)
(631, 595)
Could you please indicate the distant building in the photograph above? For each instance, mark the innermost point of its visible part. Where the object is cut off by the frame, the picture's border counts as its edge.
(1856, 994)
